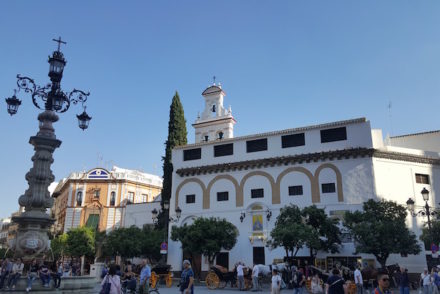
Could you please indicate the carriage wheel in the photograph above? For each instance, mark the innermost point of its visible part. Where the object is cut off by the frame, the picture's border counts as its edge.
(169, 280)
(153, 279)
(212, 281)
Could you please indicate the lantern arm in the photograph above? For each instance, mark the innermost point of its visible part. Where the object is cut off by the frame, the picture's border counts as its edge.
(77, 96)
(38, 93)
(26, 84)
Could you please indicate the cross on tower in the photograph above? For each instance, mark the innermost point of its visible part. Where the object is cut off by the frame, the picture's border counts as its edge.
(59, 42)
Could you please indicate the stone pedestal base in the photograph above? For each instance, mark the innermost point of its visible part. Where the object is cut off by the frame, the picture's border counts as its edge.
(31, 240)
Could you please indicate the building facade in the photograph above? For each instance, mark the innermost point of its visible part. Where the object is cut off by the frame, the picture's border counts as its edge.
(336, 166)
(98, 198)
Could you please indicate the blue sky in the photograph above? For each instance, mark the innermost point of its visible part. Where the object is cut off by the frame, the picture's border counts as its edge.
(283, 64)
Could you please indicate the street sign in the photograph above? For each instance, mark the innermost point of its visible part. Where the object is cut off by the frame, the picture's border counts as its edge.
(164, 248)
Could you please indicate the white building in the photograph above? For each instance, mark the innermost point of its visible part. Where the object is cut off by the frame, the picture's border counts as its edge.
(336, 166)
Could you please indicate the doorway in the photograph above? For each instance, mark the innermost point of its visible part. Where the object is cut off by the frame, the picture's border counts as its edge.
(223, 259)
(258, 254)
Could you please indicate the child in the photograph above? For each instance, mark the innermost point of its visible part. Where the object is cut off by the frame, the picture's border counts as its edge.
(276, 282)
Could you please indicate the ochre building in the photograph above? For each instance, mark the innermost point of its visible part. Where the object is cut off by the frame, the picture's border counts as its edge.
(98, 198)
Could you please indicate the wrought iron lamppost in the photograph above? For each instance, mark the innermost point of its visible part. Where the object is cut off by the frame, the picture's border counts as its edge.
(425, 211)
(34, 223)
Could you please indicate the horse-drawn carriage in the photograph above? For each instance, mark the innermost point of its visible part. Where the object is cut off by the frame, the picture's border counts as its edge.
(161, 271)
(218, 277)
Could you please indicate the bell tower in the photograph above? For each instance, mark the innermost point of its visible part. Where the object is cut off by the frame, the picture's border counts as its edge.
(216, 122)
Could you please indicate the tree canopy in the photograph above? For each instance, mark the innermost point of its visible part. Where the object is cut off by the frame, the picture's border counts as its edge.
(206, 236)
(326, 233)
(59, 246)
(380, 230)
(81, 241)
(431, 236)
(311, 227)
(132, 242)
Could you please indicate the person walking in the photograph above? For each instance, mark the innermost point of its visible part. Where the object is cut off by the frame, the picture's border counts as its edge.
(276, 282)
(383, 284)
(433, 288)
(17, 271)
(144, 280)
(425, 279)
(315, 285)
(403, 280)
(359, 281)
(114, 280)
(335, 283)
(240, 276)
(255, 273)
(187, 279)
(298, 281)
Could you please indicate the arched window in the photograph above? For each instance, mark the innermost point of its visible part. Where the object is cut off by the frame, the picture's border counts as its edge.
(112, 198)
(79, 198)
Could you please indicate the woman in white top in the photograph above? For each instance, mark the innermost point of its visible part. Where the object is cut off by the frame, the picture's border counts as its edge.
(276, 282)
(425, 278)
(113, 279)
(315, 285)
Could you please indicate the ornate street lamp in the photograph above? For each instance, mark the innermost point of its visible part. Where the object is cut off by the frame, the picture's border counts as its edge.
(426, 209)
(34, 223)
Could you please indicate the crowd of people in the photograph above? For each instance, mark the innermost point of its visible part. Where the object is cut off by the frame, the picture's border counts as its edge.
(115, 281)
(12, 269)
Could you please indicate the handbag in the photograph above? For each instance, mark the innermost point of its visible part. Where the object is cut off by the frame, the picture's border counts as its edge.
(105, 289)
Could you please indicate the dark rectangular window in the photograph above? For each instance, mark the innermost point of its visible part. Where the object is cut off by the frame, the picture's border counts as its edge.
(328, 188)
(191, 198)
(223, 150)
(293, 140)
(295, 190)
(332, 135)
(256, 145)
(422, 179)
(192, 154)
(257, 193)
(222, 196)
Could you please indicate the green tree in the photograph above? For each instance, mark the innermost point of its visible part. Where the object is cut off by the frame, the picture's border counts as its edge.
(59, 246)
(177, 135)
(380, 230)
(291, 232)
(151, 240)
(431, 236)
(326, 233)
(125, 242)
(81, 241)
(206, 236)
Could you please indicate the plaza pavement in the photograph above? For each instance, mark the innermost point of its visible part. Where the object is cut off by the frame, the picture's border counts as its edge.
(204, 290)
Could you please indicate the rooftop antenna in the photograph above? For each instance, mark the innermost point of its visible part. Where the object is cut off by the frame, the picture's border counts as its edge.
(390, 105)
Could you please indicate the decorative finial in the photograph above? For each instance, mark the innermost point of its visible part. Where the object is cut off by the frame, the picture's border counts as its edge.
(59, 41)
(213, 79)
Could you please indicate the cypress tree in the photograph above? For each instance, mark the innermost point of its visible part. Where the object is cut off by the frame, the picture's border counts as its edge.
(176, 136)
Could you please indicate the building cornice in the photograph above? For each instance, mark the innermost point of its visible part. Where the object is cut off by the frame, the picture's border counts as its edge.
(307, 158)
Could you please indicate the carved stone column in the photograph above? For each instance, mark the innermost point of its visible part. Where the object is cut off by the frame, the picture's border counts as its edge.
(34, 223)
